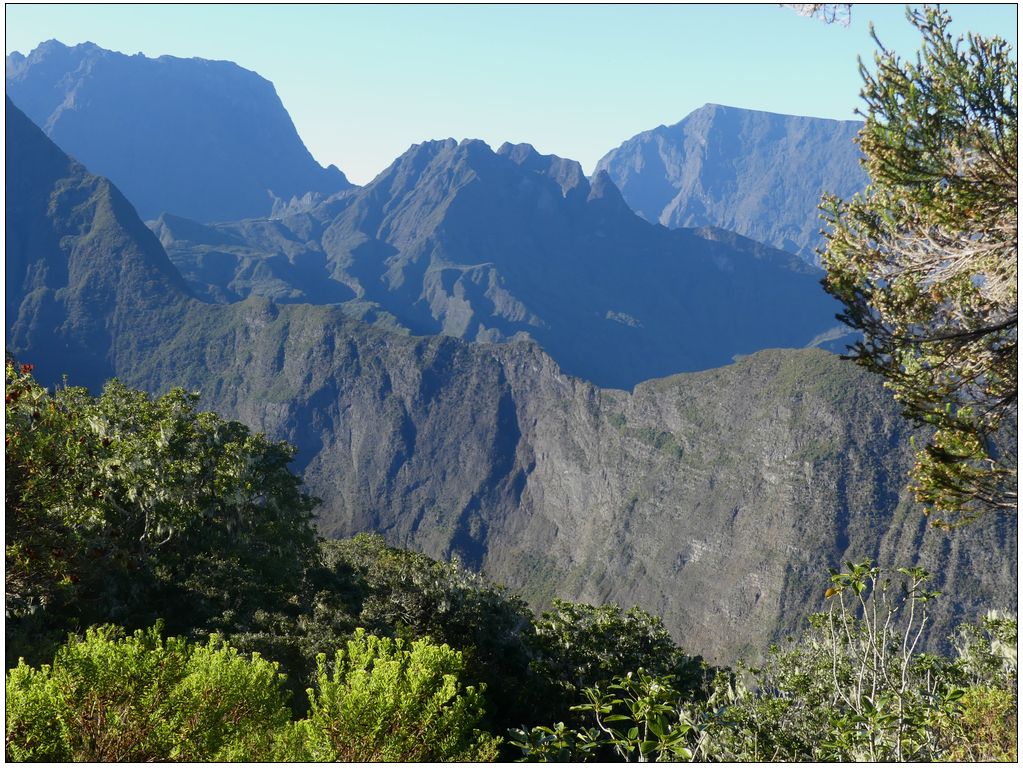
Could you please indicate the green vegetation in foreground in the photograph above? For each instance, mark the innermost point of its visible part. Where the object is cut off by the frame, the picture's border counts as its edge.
(125, 513)
(853, 688)
(112, 698)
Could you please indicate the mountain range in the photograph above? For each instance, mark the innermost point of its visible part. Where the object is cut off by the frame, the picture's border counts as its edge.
(211, 141)
(204, 139)
(716, 499)
(457, 239)
(759, 174)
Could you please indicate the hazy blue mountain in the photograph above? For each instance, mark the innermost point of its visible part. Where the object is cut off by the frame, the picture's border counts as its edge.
(86, 280)
(716, 499)
(204, 139)
(756, 173)
(457, 239)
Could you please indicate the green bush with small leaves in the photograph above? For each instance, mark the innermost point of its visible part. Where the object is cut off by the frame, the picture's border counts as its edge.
(384, 700)
(111, 698)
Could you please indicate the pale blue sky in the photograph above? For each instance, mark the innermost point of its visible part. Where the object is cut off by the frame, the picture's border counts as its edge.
(363, 82)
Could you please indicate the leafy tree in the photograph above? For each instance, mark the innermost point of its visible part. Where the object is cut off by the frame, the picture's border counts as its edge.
(397, 593)
(925, 259)
(110, 698)
(580, 645)
(43, 464)
(385, 701)
(125, 509)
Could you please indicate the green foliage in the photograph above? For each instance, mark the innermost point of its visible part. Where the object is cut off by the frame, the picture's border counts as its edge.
(412, 595)
(559, 744)
(984, 727)
(530, 669)
(140, 698)
(385, 701)
(854, 687)
(42, 466)
(397, 593)
(123, 508)
(361, 582)
(581, 645)
(112, 698)
(638, 716)
(925, 258)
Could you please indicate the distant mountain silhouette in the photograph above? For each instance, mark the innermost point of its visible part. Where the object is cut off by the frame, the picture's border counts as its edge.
(204, 139)
(456, 239)
(757, 173)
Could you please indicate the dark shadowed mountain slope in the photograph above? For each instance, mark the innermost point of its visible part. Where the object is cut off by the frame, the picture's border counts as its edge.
(716, 499)
(457, 239)
(756, 173)
(86, 280)
(279, 258)
(204, 139)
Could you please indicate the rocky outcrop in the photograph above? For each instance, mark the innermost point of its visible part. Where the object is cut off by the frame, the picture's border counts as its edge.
(717, 500)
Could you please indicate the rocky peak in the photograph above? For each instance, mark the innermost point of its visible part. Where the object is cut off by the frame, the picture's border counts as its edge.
(602, 188)
(567, 173)
(756, 173)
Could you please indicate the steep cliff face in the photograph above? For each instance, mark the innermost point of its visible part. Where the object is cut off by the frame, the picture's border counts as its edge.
(756, 173)
(204, 139)
(716, 499)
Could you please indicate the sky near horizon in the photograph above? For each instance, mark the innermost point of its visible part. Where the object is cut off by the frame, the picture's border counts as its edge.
(364, 82)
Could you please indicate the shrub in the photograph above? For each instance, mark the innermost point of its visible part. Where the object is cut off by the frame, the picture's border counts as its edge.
(385, 701)
(123, 508)
(110, 698)
(854, 687)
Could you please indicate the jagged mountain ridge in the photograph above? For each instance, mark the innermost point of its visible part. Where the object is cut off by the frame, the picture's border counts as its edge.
(204, 139)
(456, 239)
(715, 499)
(756, 173)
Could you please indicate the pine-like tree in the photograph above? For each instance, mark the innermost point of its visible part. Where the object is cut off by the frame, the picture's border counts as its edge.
(925, 259)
